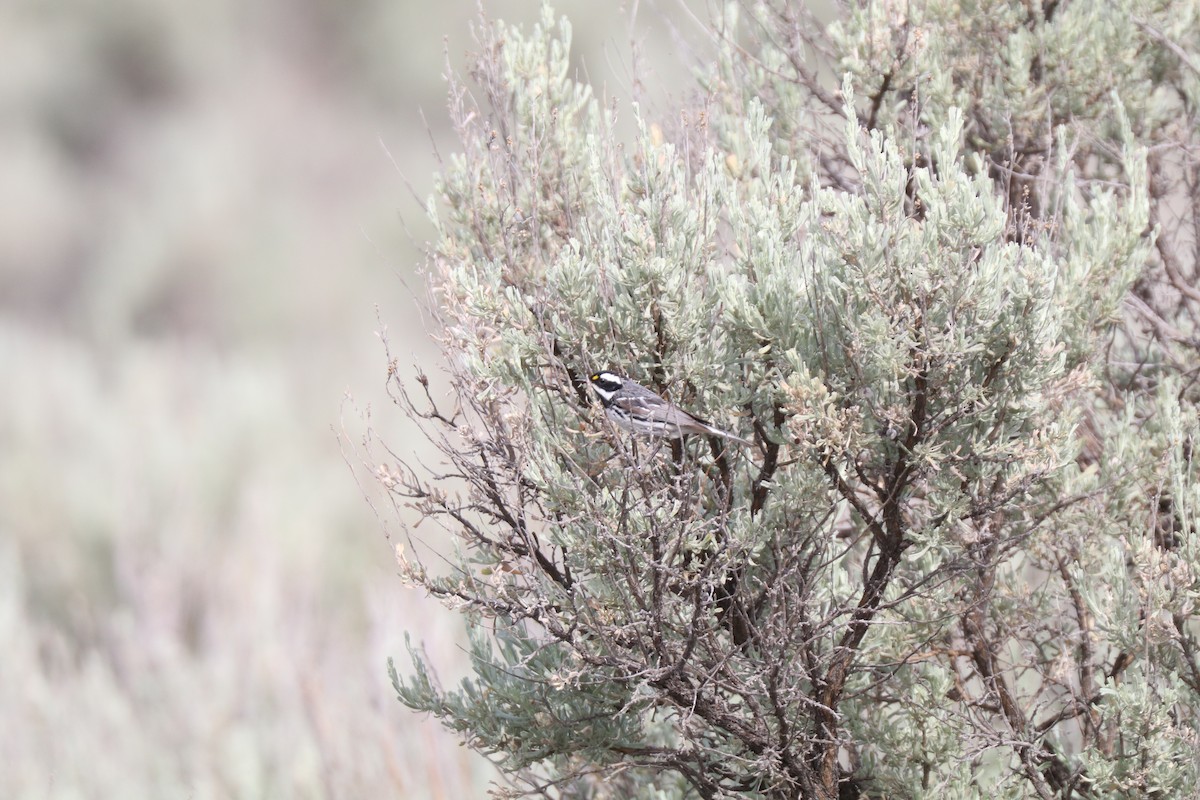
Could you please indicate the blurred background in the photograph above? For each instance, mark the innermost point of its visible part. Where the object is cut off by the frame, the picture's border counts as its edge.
(202, 207)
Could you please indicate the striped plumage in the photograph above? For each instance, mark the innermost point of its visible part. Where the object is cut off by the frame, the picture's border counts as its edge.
(635, 408)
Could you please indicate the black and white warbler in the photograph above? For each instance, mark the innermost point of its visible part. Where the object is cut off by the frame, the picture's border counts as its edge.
(635, 408)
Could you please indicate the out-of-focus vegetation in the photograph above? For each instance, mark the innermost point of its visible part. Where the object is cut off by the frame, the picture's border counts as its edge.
(197, 220)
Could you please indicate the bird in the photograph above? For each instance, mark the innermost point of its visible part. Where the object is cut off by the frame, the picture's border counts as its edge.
(638, 409)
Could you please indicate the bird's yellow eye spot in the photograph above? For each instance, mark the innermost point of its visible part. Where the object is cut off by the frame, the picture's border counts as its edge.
(595, 377)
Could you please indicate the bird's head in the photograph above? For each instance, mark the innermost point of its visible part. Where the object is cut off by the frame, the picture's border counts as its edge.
(606, 384)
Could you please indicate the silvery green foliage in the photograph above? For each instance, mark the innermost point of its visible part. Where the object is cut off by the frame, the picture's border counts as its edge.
(1023, 68)
(961, 556)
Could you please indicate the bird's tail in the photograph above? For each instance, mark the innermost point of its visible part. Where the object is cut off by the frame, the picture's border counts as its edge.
(727, 435)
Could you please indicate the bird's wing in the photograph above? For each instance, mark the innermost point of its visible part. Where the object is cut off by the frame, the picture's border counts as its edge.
(658, 411)
(655, 409)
